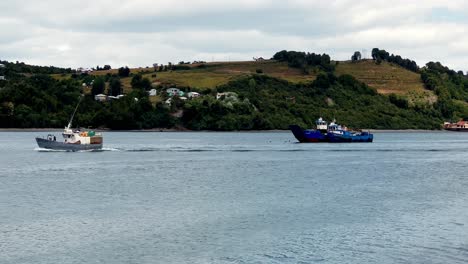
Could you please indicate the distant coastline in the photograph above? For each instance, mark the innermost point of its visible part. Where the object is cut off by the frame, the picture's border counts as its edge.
(214, 131)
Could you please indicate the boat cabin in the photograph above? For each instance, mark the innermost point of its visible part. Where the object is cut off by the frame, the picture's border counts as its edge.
(334, 126)
(321, 124)
(69, 136)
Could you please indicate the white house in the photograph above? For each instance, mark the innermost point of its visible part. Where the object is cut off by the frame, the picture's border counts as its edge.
(227, 95)
(2, 78)
(83, 70)
(152, 92)
(172, 90)
(193, 95)
(2, 65)
(100, 97)
(168, 101)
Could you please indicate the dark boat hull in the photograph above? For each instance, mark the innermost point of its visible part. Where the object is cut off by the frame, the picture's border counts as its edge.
(315, 136)
(50, 144)
(307, 136)
(457, 129)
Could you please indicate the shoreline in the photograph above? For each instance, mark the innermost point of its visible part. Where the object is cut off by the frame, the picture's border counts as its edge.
(213, 131)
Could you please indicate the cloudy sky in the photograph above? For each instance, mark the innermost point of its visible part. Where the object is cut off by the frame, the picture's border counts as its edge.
(140, 32)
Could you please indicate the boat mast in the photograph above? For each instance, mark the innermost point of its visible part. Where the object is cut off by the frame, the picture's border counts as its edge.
(73, 115)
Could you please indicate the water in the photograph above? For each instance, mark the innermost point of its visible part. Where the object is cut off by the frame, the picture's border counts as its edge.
(235, 198)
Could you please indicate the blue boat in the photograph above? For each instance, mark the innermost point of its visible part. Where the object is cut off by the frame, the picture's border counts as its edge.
(329, 133)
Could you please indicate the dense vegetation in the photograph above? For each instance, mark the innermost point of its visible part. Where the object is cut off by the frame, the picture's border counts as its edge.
(451, 88)
(269, 103)
(304, 60)
(31, 98)
(382, 55)
(42, 101)
(21, 67)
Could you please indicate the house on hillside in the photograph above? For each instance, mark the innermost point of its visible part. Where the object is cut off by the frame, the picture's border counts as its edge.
(226, 95)
(2, 78)
(100, 97)
(83, 70)
(193, 95)
(174, 91)
(152, 92)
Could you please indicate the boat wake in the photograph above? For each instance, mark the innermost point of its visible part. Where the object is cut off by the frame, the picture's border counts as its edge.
(48, 150)
(242, 149)
(110, 149)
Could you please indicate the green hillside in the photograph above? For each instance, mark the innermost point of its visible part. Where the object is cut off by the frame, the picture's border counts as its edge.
(212, 74)
(386, 78)
(388, 92)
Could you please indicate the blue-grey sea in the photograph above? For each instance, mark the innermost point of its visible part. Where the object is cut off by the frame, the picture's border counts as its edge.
(182, 197)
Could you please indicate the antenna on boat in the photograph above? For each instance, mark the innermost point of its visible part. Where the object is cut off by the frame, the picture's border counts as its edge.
(73, 115)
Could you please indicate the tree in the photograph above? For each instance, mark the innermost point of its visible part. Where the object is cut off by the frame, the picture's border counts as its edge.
(356, 56)
(136, 79)
(375, 53)
(138, 82)
(98, 86)
(145, 84)
(124, 71)
(107, 67)
(115, 86)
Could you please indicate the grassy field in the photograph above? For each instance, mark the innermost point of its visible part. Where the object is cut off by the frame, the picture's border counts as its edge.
(218, 73)
(386, 78)
(214, 74)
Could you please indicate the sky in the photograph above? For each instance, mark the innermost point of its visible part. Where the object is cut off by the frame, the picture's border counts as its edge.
(133, 33)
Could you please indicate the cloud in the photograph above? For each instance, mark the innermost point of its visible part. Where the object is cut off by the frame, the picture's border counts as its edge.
(140, 32)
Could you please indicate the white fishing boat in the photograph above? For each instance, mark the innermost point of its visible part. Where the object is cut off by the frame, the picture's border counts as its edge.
(73, 139)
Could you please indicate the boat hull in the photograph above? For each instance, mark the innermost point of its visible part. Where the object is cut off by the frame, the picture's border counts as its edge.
(457, 129)
(349, 137)
(50, 144)
(307, 136)
(316, 136)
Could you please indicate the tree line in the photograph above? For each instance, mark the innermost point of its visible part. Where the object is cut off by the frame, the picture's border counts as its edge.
(261, 102)
(382, 55)
(304, 60)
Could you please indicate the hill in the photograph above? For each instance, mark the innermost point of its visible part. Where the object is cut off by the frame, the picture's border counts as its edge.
(297, 87)
(386, 78)
(212, 74)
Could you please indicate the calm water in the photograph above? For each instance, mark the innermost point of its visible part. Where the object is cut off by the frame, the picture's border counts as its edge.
(235, 198)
